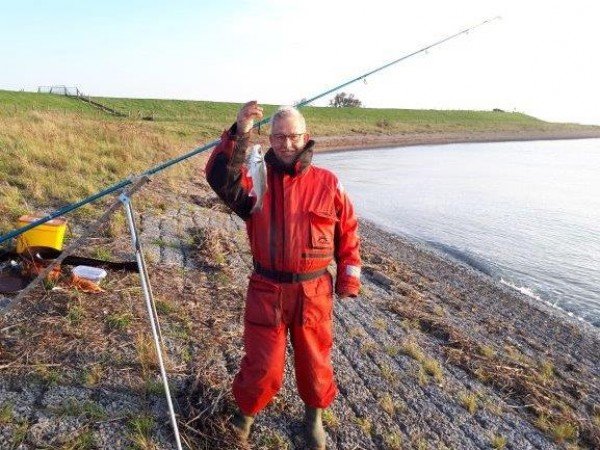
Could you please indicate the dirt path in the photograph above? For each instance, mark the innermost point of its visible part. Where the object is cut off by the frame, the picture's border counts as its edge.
(432, 355)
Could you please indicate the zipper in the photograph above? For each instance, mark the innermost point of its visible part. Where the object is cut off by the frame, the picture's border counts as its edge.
(272, 230)
(283, 222)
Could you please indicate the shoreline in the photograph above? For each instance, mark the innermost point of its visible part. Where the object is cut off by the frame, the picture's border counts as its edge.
(426, 247)
(418, 246)
(369, 141)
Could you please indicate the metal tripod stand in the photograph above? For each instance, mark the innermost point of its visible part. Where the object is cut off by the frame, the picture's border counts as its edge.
(151, 306)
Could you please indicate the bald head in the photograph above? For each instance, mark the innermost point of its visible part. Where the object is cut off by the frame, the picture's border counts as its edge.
(289, 112)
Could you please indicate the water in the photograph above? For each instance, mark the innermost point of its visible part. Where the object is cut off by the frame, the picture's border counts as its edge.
(525, 213)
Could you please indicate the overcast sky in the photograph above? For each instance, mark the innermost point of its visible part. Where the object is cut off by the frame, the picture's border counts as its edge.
(541, 58)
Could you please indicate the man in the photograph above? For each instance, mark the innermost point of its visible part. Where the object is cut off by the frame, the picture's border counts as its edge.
(306, 221)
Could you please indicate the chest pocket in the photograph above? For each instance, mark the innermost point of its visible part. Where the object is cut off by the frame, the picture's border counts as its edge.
(322, 229)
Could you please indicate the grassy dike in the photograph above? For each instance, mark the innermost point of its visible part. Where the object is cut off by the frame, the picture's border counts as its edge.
(56, 150)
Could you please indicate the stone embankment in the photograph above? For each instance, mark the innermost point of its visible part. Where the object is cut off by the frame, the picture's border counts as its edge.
(432, 355)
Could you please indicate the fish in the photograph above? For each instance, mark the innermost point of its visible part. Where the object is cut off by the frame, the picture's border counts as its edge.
(257, 170)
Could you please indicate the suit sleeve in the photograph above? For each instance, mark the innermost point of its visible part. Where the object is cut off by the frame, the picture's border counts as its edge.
(346, 246)
(226, 175)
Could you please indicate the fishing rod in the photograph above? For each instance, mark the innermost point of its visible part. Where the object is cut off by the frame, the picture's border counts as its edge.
(152, 171)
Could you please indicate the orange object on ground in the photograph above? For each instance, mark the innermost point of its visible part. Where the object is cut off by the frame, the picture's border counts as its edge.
(84, 285)
(36, 259)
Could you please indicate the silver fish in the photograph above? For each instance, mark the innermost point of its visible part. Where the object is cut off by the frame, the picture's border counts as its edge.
(257, 170)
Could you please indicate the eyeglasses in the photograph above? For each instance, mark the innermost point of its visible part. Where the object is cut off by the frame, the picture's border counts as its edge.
(293, 137)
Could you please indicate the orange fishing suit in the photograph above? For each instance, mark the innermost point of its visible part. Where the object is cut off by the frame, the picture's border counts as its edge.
(306, 221)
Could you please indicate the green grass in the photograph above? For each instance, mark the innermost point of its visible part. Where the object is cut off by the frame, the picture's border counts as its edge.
(14, 102)
(140, 431)
(164, 308)
(330, 419)
(412, 349)
(119, 321)
(388, 373)
(57, 150)
(365, 424)
(48, 375)
(433, 369)
(19, 433)
(75, 315)
(564, 432)
(387, 404)
(155, 387)
(546, 373)
(102, 254)
(487, 351)
(273, 439)
(498, 442)
(391, 350)
(88, 409)
(92, 376)
(393, 441)
(6, 413)
(85, 441)
(469, 401)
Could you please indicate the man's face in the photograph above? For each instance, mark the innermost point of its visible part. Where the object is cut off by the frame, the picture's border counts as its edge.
(288, 138)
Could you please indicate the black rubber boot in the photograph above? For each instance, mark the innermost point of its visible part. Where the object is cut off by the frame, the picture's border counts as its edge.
(241, 425)
(313, 426)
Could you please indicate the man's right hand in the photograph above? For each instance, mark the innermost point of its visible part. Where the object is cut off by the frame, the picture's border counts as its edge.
(250, 112)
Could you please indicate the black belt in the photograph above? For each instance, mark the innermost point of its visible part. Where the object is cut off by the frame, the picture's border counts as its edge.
(287, 277)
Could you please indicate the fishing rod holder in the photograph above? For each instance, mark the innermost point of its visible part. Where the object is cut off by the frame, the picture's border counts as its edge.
(125, 199)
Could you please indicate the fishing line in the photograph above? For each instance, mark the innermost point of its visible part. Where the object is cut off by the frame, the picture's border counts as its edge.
(152, 171)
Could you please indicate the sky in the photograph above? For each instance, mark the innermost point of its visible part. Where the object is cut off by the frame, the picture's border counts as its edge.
(539, 58)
